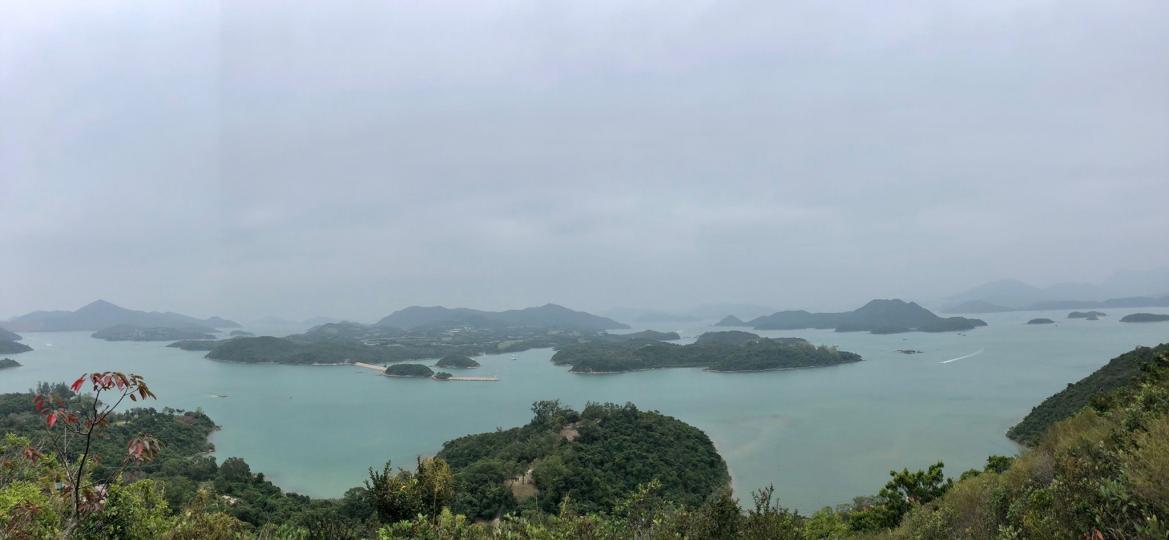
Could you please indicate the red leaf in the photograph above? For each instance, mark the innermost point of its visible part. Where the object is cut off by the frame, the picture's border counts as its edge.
(52, 419)
(76, 386)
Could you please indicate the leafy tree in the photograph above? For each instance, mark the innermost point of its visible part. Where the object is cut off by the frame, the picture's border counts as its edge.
(83, 420)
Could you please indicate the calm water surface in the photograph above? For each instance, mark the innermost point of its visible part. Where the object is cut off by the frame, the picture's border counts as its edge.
(822, 436)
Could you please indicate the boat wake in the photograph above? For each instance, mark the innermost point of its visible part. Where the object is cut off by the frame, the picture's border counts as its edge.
(963, 357)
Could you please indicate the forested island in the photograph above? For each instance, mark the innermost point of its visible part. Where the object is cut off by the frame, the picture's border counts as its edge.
(1091, 315)
(877, 317)
(127, 332)
(13, 347)
(6, 335)
(408, 370)
(1144, 317)
(1040, 321)
(457, 361)
(715, 351)
(8, 363)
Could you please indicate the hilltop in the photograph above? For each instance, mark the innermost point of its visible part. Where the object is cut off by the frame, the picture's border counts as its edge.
(99, 315)
(877, 316)
(731, 320)
(593, 457)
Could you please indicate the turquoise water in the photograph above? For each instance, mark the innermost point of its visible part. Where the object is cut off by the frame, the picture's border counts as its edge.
(822, 436)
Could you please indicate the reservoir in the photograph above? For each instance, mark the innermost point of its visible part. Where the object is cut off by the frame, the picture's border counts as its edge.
(821, 436)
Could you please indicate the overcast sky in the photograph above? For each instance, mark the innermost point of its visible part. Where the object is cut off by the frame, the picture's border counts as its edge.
(351, 158)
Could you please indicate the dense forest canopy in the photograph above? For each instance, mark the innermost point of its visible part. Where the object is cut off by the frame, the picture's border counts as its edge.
(594, 458)
(408, 370)
(1120, 372)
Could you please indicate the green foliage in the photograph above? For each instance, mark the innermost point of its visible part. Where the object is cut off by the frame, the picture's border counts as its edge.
(1120, 372)
(905, 491)
(404, 495)
(717, 351)
(459, 361)
(594, 458)
(408, 370)
(1101, 473)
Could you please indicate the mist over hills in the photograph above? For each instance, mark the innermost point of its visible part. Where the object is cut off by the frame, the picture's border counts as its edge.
(1128, 288)
(549, 316)
(101, 314)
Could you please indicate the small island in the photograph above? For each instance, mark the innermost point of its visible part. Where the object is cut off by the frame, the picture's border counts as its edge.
(408, 370)
(126, 332)
(457, 361)
(714, 351)
(1041, 321)
(13, 347)
(876, 317)
(8, 363)
(908, 351)
(731, 320)
(1144, 317)
(442, 376)
(1090, 315)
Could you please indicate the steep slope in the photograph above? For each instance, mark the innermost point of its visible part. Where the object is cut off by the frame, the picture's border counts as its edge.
(1117, 373)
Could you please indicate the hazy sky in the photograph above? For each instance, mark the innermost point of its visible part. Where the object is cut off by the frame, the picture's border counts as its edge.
(350, 158)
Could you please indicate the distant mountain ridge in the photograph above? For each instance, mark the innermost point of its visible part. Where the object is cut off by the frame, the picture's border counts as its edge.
(550, 316)
(1121, 290)
(877, 316)
(100, 314)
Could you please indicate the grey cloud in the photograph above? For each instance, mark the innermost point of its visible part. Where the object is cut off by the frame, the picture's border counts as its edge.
(347, 159)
